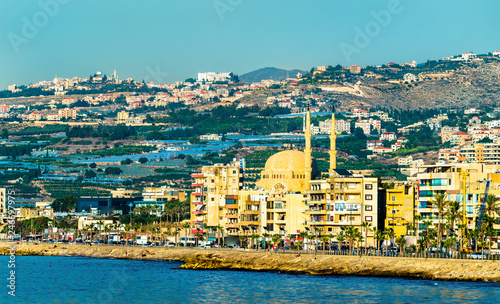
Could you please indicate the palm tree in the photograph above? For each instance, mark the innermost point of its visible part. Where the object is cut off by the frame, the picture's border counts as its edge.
(303, 235)
(389, 234)
(218, 228)
(254, 238)
(359, 239)
(324, 239)
(175, 234)
(265, 235)
(330, 238)
(439, 201)
(367, 227)
(276, 240)
(401, 241)
(340, 238)
(310, 238)
(186, 226)
(492, 206)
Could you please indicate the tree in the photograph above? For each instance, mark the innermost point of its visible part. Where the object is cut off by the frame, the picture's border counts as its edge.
(93, 166)
(5, 133)
(367, 227)
(65, 203)
(113, 171)
(401, 241)
(89, 174)
(143, 160)
(219, 228)
(340, 238)
(439, 201)
(359, 133)
(127, 161)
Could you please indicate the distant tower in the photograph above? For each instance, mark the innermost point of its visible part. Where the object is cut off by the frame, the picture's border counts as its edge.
(308, 151)
(333, 148)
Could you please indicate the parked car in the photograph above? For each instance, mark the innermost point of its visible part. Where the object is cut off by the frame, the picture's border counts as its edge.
(477, 256)
(170, 244)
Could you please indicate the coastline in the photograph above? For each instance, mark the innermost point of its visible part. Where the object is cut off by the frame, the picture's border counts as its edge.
(418, 268)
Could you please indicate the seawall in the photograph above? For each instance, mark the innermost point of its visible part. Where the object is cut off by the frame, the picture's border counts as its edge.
(436, 269)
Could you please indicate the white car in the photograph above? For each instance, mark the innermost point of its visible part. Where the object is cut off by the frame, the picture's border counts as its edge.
(170, 244)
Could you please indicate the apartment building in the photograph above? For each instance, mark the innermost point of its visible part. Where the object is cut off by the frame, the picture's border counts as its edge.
(401, 208)
(344, 200)
(67, 113)
(340, 126)
(216, 193)
(163, 193)
(447, 179)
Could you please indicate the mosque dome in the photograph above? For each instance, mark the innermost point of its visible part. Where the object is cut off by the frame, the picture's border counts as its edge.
(286, 161)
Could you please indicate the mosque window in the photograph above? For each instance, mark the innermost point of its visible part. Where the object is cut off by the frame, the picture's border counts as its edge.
(368, 218)
(368, 197)
(368, 186)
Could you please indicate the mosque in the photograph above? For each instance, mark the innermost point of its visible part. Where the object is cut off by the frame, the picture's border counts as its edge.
(289, 198)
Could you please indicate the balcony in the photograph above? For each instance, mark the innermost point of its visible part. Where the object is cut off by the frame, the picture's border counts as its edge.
(197, 222)
(253, 203)
(280, 222)
(249, 223)
(251, 212)
(196, 185)
(197, 203)
(316, 211)
(197, 175)
(199, 212)
(231, 206)
(232, 225)
(231, 215)
(196, 194)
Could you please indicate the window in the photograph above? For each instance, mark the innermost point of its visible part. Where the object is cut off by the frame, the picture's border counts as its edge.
(368, 208)
(213, 199)
(368, 197)
(368, 218)
(368, 186)
(393, 198)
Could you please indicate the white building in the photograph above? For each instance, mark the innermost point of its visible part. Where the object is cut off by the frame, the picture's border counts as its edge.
(211, 76)
(409, 77)
(389, 136)
(469, 56)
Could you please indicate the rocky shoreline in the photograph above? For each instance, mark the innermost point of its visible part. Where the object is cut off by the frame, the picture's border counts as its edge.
(435, 269)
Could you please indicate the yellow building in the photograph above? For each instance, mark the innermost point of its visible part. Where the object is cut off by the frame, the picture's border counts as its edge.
(288, 199)
(122, 117)
(400, 208)
(163, 193)
(447, 179)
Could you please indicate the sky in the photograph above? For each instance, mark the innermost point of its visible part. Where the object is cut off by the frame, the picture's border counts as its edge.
(166, 41)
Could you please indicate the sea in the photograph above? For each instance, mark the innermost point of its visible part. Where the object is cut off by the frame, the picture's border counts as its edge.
(47, 279)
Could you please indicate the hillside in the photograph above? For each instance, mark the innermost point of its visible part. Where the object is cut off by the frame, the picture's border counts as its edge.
(269, 73)
(444, 85)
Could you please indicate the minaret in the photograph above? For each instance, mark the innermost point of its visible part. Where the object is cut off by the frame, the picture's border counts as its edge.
(333, 148)
(308, 151)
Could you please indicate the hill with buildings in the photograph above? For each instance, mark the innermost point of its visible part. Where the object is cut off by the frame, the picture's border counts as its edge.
(269, 73)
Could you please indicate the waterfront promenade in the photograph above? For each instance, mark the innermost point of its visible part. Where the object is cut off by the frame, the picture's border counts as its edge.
(438, 269)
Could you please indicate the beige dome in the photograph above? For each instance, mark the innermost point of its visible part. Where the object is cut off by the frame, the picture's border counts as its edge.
(286, 161)
(284, 170)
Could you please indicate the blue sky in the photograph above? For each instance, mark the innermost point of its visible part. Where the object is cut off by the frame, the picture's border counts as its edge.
(167, 41)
